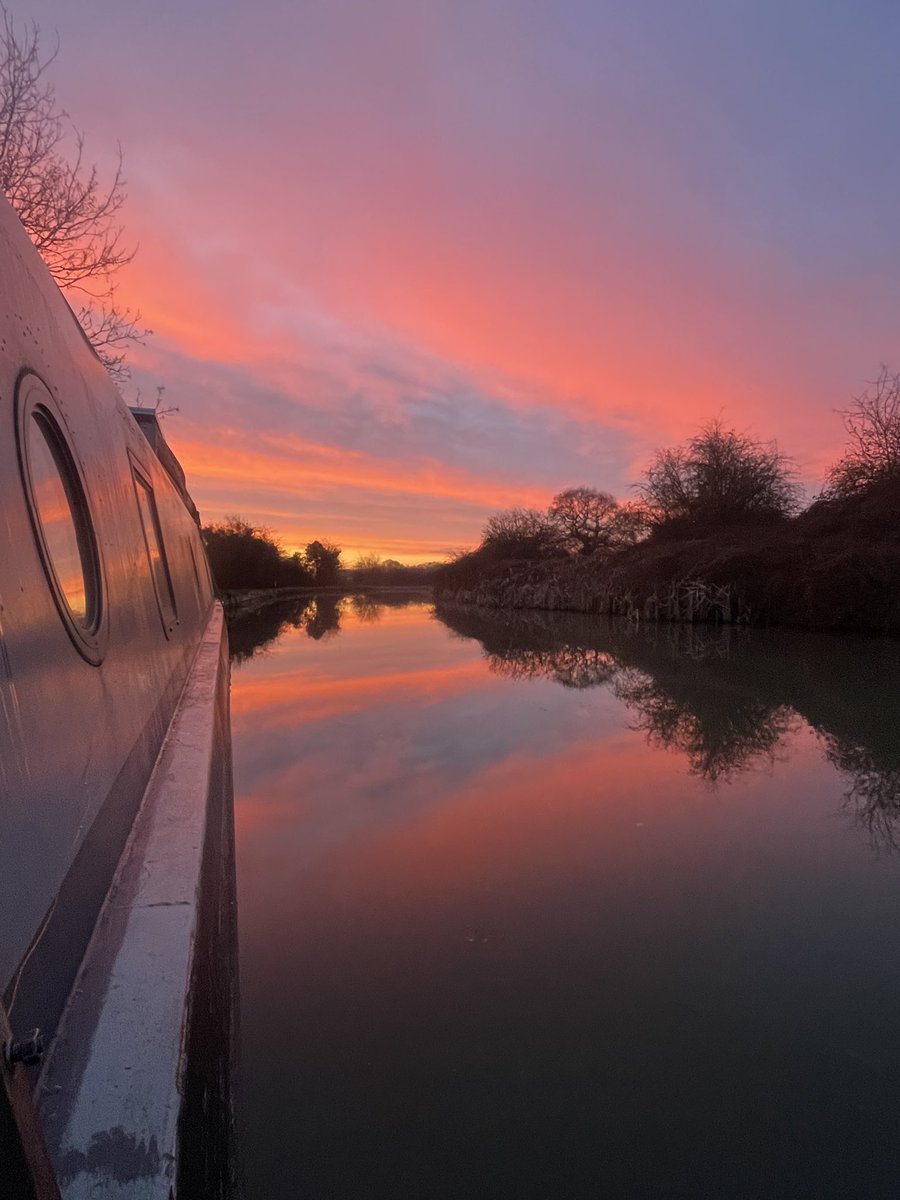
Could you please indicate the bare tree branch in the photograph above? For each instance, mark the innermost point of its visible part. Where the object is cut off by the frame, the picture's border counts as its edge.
(873, 428)
(69, 213)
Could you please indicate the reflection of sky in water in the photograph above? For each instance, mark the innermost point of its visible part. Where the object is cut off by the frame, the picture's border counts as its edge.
(507, 944)
(395, 736)
(58, 522)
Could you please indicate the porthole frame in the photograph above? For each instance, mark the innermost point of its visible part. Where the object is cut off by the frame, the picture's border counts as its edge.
(35, 400)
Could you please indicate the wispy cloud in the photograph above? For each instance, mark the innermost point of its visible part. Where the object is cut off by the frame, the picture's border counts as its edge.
(491, 248)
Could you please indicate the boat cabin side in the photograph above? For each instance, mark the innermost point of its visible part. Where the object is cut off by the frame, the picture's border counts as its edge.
(106, 603)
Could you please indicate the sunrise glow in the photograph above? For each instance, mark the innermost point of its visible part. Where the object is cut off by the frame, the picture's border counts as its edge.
(410, 263)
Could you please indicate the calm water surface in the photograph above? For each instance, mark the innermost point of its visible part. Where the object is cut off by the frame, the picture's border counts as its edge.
(554, 908)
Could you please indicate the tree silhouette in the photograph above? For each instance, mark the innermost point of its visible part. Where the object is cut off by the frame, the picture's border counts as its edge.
(590, 521)
(720, 477)
(873, 453)
(244, 556)
(521, 533)
(323, 560)
(68, 212)
(586, 518)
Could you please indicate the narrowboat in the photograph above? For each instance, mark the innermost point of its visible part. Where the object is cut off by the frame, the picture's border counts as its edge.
(117, 903)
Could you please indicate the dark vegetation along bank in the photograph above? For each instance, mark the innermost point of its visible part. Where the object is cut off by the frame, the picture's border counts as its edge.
(243, 556)
(717, 533)
(248, 564)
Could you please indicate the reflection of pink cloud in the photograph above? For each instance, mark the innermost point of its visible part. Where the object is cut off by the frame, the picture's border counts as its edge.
(593, 807)
(524, 803)
(277, 702)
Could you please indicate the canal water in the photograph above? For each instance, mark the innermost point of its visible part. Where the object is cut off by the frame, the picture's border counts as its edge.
(539, 906)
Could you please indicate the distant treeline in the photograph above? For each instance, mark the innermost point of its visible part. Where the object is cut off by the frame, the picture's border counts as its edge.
(244, 556)
(716, 532)
(372, 571)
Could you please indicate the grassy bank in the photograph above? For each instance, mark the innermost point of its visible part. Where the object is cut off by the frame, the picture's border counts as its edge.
(834, 567)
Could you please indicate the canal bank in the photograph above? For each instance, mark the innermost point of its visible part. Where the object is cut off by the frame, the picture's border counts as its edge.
(835, 567)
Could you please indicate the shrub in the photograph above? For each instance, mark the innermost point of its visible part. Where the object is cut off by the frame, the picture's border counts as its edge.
(719, 478)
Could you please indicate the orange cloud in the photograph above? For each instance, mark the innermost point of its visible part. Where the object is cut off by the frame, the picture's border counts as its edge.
(294, 466)
(344, 480)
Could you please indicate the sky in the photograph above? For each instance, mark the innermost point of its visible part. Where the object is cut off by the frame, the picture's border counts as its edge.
(409, 263)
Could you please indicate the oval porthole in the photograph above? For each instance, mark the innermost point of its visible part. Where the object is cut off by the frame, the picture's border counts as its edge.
(60, 517)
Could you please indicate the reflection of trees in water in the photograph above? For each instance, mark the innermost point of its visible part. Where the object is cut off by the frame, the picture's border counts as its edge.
(873, 798)
(679, 680)
(319, 616)
(367, 609)
(572, 666)
(720, 737)
(251, 633)
(680, 640)
(724, 697)
(324, 617)
(370, 606)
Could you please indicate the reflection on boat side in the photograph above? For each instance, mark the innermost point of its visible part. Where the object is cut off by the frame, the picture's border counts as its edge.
(725, 697)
